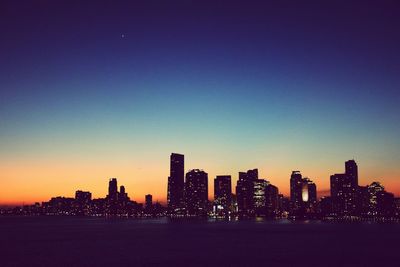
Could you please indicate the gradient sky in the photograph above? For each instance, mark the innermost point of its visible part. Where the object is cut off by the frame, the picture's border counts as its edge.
(95, 90)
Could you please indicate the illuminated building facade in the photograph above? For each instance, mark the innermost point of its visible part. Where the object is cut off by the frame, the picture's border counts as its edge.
(260, 186)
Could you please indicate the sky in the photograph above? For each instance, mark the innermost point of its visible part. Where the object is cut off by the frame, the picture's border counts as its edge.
(94, 90)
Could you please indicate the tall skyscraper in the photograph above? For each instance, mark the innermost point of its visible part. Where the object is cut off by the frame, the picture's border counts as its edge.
(259, 200)
(345, 192)
(196, 192)
(351, 171)
(309, 191)
(222, 194)
(341, 194)
(271, 200)
(296, 190)
(176, 182)
(245, 191)
(123, 196)
(113, 189)
(309, 197)
(312, 192)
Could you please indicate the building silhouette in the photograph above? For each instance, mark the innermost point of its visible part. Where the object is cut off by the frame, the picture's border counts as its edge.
(82, 202)
(272, 200)
(309, 197)
(296, 191)
(148, 201)
(345, 192)
(83, 196)
(351, 170)
(196, 192)
(176, 182)
(245, 192)
(222, 195)
(123, 196)
(188, 196)
(112, 189)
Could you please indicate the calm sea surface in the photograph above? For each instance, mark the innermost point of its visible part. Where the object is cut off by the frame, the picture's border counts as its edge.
(72, 241)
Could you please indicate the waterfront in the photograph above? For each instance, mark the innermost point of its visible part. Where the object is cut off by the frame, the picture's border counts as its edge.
(75, 241)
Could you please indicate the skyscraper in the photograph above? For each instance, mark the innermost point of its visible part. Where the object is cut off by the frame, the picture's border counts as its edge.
(245, 191)
(309, 197)
(222, 194)
(176, 182)
(312, 192)
(309, 191)
(296, 189)
(123, 196)
(351, 171)
(113, 189)
(260, 186)
(345, 192)
(341, 194)
(196, 192)
(271, 200)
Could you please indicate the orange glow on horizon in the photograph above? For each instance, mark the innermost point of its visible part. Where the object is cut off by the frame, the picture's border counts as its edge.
(51, 178)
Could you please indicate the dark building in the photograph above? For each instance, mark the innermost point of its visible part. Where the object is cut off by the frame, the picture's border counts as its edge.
(351, 171)
(397, 207)
(83, 196)
(272, 200)
(245, 191)
(345, 192)
(222, 194)
(325, 207)
(377, 202)
(59, 206)
(112, 189)
(296, 189)
(176, 182)
(122, 196)
(283, 204)
(386, 205)
(341, 193)
(82, 203)
(148, 201)
(196, 192)
(363, 200)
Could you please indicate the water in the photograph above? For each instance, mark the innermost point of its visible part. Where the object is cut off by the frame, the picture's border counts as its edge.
(72, 241)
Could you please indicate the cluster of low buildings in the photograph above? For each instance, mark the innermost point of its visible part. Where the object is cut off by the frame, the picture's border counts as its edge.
(116, 204)
(187, 196)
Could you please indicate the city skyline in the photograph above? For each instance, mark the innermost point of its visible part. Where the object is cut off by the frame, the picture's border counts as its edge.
(177, 165)
(254, 196)
(91, 91)
(199, 133)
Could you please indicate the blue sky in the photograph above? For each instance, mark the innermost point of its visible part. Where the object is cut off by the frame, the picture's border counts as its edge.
(239, 81)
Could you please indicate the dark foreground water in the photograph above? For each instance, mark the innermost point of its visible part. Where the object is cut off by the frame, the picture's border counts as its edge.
(69, 241)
